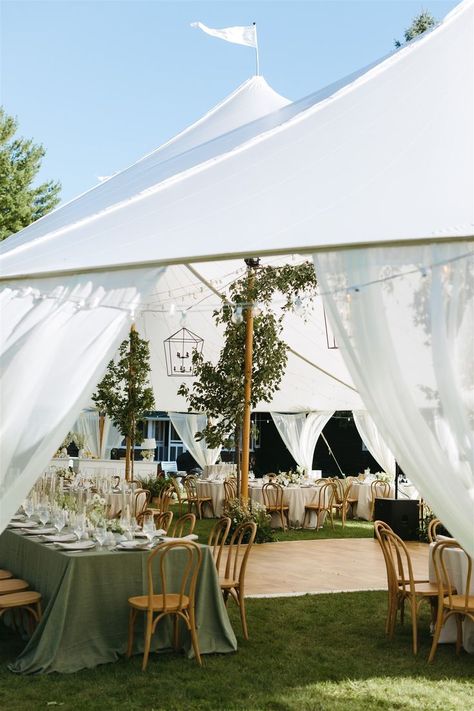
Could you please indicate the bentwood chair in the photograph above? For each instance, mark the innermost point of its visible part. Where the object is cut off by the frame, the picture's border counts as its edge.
(460, 605)
(162, 520)
(273, 501)
(4, 574)
(378, 490)
(351, 499)
(321, 504)
(403, 585)
(27, 600)
(233, 582)
(12, 585)
(177, 600)
(140, 501)
(179, 494)
(340, 501)
(188, 521)
(230, 491)
(218, 537)
(433, 526)
(194, 499)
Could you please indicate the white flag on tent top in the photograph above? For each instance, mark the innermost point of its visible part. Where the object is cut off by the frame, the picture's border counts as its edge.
(238, 35)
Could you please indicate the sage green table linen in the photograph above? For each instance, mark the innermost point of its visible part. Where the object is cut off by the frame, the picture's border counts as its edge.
(85, 608)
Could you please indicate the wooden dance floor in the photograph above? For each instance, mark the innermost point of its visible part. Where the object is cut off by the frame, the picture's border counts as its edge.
(337, 565)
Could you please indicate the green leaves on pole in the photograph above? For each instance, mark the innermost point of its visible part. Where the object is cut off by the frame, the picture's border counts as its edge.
(124, 393)
(219, 388)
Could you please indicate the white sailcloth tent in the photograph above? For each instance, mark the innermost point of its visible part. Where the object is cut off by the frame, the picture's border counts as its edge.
(373, 175)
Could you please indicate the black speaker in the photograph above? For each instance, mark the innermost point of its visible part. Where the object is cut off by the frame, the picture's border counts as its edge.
(402, 515)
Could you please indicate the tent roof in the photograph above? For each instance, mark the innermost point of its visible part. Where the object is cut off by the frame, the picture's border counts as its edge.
(385, 155)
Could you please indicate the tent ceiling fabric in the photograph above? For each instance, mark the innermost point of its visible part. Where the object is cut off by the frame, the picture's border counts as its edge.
(304, 386)
(330, 170)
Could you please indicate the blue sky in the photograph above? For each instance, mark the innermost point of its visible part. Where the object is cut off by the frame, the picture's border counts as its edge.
(101, 83)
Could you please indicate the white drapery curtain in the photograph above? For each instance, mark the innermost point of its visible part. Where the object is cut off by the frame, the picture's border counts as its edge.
(373, 440)
(56, 339)
(88, 425)
(300, 432)
(404, 321)
(186, 425)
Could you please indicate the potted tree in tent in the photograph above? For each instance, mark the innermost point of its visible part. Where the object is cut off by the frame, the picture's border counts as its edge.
(125, 393)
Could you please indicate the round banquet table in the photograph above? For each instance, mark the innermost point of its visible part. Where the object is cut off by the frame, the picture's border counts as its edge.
(296, 497)
(456, 564)
(214, 489)
(361, 490)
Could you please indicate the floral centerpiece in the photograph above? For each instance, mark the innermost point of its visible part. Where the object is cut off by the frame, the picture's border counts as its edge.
(242, 512)
(96, 510)
(291, 478)
(383, 476)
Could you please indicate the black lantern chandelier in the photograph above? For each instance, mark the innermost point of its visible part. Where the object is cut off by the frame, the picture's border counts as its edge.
(179, 350)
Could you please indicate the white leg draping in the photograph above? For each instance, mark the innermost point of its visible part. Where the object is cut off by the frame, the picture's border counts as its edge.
(186, 425)
(56, 339)
(373, 441)
(403, 318)
(300, 432)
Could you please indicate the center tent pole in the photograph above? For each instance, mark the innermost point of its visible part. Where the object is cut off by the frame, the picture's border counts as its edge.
(252, 264)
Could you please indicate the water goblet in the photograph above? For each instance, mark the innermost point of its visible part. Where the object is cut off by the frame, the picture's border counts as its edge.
(59, 520)
(43, 514)
(100, 535)
(149, 528)
(80, 526)
(28, 507)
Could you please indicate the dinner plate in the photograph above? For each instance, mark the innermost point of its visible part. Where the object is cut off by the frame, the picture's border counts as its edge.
(132, 545)
(77, 546)
(40, 531)
(60, 538)
(23, 524)
(190, 537)
(158, 532)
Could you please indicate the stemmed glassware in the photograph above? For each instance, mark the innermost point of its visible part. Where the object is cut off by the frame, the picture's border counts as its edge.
(44, 514)
(149, 528)
(59, 519)
(100, 535)
(28, 507)
(80, 525)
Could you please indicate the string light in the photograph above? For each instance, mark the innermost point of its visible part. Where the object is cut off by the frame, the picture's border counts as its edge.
(184, 316)
(237, 317)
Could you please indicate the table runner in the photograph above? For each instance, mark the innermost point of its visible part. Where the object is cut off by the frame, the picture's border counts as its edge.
(85, 609)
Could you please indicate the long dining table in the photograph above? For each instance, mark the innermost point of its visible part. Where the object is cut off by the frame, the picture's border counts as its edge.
(85, 604)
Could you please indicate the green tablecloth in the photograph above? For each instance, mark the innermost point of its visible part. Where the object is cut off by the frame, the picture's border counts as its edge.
(85, 605)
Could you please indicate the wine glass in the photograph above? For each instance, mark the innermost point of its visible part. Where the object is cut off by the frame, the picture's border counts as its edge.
(80, 525)
(43, 514)
(100, 535)
(149, 528)
(28, 507)
(59, 520)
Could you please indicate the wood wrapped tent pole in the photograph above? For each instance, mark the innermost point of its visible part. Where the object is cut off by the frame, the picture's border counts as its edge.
(252, 264)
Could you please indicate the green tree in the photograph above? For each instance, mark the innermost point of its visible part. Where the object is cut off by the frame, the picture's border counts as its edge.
(124, 393)
(422, 22)
(219, 388)
(20, 160)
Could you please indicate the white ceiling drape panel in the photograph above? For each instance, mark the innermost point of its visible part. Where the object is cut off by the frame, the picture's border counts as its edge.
(57, 336)
(111, 438)
(405, 329)
(373, 441)
(300, 433)
(87, 424)
(187, 425)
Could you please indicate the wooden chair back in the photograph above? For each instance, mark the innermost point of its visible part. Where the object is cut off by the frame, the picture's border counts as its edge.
(433, 526)
(230, 490)
(185, 583)
(378, 490)
(444, 578)
(184, 526)
(190, 486)
(163, 520)
(272, 495)
(165, 498)
(239, 552)
(218, 537)
(324, 495)
(399, 560)
(140, 501)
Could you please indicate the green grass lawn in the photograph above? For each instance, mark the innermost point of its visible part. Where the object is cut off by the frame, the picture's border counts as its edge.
(353, 529)
(305, 654)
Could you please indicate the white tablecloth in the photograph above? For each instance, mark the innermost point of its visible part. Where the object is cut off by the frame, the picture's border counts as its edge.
(296, 497)
(214, 489)
(456, 564)
(361, 491)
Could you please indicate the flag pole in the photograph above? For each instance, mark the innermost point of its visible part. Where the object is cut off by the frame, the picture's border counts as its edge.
(257, 60)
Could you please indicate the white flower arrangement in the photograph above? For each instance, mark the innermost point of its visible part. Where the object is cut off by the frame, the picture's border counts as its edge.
(291, 477)
(148, 455)
(383, 476)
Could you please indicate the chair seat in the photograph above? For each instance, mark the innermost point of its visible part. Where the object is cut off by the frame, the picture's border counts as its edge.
(283, 507)
(140, 602)
(12, 585)
(458, 602)
(423, 588)
(228, 583)
(19, 599)
(316, 507)
(4, 574)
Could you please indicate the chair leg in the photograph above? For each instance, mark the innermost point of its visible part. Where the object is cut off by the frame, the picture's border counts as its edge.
(436, 634)
(458, 634)
(414, 624)
(243, 616)
(304, 518)
(176, 632)
(146, 650)
(131, 627)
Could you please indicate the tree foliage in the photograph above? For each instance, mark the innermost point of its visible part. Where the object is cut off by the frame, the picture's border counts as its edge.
(124, 393)
(20, 160)
(219, 388)
(422, 22)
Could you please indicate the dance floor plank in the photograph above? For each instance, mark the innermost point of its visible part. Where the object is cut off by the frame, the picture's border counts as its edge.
(337, 565)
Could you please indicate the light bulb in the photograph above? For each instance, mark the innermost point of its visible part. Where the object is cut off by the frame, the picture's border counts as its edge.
(237, 317)
(172, 309)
